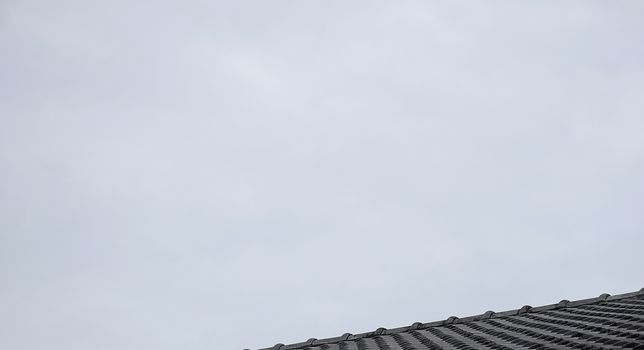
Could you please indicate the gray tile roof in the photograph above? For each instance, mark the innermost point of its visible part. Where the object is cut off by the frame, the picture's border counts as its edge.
(604, 322)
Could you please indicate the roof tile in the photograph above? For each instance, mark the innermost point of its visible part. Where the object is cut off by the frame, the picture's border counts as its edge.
(603, 322)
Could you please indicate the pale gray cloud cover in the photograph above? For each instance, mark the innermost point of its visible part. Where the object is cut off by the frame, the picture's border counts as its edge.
(221, 175)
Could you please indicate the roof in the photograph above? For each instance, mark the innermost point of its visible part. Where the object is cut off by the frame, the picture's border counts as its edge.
(604, 322)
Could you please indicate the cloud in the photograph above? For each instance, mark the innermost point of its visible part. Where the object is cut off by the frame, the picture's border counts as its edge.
(236, 175)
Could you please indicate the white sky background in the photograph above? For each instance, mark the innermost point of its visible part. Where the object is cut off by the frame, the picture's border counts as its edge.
(203, 175)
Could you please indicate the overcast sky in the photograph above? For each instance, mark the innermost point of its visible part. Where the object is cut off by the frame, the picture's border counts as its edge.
(228, 175)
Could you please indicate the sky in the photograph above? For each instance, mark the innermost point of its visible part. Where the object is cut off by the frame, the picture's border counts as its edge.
(228, 175)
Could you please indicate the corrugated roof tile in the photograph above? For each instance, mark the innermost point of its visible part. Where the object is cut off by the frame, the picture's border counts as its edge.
(603, 322)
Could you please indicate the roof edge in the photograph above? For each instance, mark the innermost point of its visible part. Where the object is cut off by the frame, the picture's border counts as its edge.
(456, 320)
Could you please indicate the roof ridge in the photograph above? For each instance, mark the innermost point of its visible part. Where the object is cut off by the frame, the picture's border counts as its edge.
(456, 320)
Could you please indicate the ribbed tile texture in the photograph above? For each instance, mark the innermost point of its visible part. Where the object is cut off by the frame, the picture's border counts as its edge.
(600, 323)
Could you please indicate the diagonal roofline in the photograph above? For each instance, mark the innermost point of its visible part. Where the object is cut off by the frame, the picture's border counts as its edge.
(563, 304)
